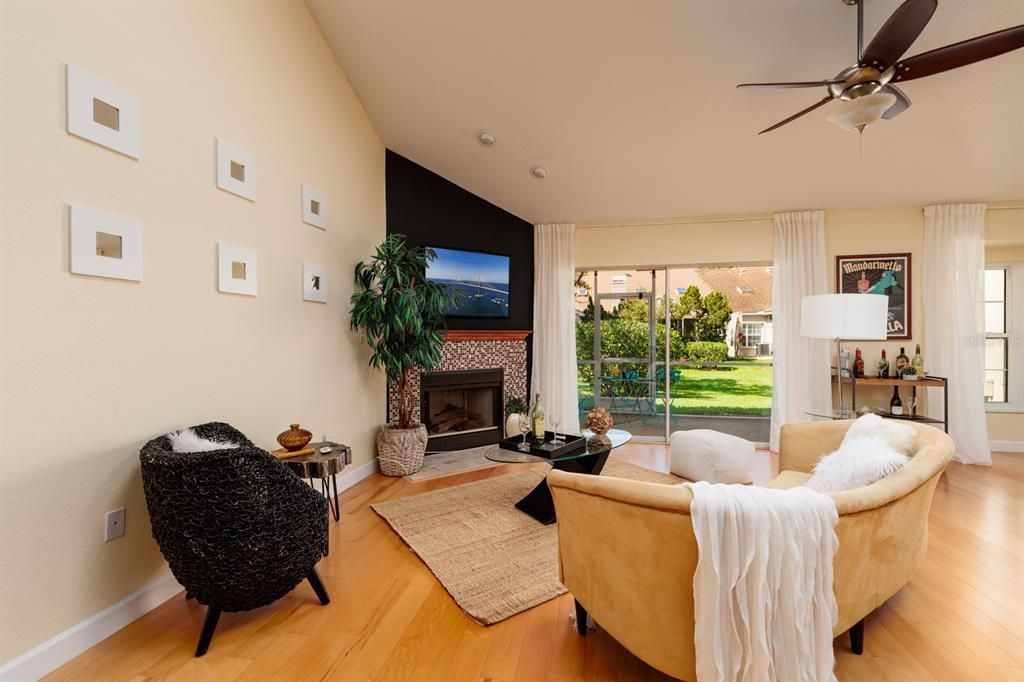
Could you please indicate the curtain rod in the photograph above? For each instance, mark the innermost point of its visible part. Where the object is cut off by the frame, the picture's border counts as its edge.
(740, 219)
(681, 221)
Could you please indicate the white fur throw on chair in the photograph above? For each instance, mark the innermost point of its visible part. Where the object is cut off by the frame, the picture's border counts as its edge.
(187, 440)
(712, 456)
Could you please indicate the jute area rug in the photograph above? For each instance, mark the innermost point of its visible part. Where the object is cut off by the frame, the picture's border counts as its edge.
(494, 560)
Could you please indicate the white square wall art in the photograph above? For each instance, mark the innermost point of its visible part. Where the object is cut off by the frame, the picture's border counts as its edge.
(236, 170)
(314, 207)
(314, 282)
(236, 270)
(105, 245)
(101, 113)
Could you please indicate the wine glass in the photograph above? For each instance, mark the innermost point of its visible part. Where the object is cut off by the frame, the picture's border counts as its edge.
(555, 421)
(911, 404)
(524, 428)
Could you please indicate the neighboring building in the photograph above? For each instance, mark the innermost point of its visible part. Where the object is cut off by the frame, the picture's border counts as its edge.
(748, 290)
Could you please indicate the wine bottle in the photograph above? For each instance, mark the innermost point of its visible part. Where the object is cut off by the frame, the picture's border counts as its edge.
(537, 419)
(896, 405)
(883, 366)
(918, 362)
(858, 365)
(902, 362)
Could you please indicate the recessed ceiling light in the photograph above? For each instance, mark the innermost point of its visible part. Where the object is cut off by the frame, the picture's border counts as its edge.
(485, 138)
(539, 172)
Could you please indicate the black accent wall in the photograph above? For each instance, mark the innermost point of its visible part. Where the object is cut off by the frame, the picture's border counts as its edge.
(432, 211)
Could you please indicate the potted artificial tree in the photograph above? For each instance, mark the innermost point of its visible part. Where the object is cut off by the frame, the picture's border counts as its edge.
(401, 316)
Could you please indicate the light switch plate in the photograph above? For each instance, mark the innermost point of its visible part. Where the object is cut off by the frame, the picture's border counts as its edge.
(115, 524)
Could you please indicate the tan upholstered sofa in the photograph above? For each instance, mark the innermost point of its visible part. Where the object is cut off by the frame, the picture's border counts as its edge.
(628, 553)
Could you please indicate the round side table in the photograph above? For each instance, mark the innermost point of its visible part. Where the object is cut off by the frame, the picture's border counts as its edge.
(325, 466)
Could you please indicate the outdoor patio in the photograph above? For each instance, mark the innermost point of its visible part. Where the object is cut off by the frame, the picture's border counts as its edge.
(754, 429)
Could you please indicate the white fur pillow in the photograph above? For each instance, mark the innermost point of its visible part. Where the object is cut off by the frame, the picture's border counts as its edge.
(857, 463)
(900, 437)
(187, 440)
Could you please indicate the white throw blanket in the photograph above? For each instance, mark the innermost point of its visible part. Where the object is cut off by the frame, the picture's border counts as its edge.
(763, 588)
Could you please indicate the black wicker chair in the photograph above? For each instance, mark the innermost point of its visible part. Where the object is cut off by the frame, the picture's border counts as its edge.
(238, 529)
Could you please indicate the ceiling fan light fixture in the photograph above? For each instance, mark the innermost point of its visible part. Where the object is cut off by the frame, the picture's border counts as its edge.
(856, 114)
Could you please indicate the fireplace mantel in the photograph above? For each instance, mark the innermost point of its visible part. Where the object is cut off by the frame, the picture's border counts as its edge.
(486, 334)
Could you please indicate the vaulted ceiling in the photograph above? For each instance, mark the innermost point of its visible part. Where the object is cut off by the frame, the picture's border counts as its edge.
(632, 106)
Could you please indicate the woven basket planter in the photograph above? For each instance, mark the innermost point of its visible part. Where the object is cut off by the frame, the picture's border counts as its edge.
(400, 451)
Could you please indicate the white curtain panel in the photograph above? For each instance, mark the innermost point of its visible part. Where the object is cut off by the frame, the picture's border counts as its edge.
(801, 373)
(954, 321)
(554, 323)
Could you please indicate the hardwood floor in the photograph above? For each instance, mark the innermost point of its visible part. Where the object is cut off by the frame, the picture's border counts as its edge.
(961, 618)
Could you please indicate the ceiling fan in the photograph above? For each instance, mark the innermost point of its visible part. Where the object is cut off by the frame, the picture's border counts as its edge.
(869, 85)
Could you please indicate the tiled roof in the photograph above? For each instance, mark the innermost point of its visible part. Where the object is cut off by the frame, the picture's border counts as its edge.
(748, 289)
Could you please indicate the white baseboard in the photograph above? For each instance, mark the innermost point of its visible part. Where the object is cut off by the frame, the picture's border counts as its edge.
(351, 476)
(61, 648)
(58, 650)
(1007, 445)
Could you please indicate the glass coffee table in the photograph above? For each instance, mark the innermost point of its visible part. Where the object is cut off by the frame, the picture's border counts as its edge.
(538, 502)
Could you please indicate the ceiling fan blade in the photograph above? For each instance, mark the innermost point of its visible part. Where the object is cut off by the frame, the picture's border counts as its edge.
(797, 115)
(898, 33)
(901, 104)
(960, 54)
(793, 84)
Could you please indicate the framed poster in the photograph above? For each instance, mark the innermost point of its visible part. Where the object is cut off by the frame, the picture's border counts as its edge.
(887, 273)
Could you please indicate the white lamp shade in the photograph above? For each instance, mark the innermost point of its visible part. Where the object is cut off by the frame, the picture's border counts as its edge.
(863, 111)
(844, 316)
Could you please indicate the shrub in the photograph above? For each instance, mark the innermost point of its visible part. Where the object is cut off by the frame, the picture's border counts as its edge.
(707, 351)
(626, 339)
(622, 338)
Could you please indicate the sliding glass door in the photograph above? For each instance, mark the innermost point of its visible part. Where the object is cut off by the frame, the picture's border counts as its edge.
(712, 324)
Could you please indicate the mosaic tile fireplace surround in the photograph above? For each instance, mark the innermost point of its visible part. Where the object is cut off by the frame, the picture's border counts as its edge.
(476, 350)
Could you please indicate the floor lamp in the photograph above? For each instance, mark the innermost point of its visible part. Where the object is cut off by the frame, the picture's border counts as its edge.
(844, 317)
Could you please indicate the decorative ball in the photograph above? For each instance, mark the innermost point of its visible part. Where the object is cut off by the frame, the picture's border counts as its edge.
(599, 420)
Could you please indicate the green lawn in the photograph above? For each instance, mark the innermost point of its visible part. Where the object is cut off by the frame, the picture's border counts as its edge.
(738, 390)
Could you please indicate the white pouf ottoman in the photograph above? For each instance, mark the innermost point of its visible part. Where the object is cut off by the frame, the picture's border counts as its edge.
(712, 456)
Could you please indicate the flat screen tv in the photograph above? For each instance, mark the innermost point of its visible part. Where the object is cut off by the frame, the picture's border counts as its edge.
(482, 278)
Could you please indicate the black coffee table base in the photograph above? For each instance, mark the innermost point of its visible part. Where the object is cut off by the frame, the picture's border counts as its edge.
(538, 503)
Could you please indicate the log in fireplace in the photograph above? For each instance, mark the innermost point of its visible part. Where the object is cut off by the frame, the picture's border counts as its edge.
(462, 409)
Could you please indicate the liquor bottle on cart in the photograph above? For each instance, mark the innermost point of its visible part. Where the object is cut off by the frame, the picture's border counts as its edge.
(902, 362)
(883, 366)
(858, 365)
(918, 362)
(896, 405)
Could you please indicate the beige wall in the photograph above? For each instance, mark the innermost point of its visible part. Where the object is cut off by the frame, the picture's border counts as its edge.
(749, 239)
(696, 242)
(92, 368)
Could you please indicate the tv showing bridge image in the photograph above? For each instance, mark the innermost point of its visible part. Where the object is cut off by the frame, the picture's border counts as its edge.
(480, 278)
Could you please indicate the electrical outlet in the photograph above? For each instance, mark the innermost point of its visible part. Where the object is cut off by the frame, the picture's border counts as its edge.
(115, 524)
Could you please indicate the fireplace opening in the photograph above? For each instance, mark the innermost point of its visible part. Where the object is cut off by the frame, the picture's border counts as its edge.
(462, 409)
(468, 409)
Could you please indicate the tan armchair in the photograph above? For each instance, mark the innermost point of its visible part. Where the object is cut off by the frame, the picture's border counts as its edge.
(628, 554)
